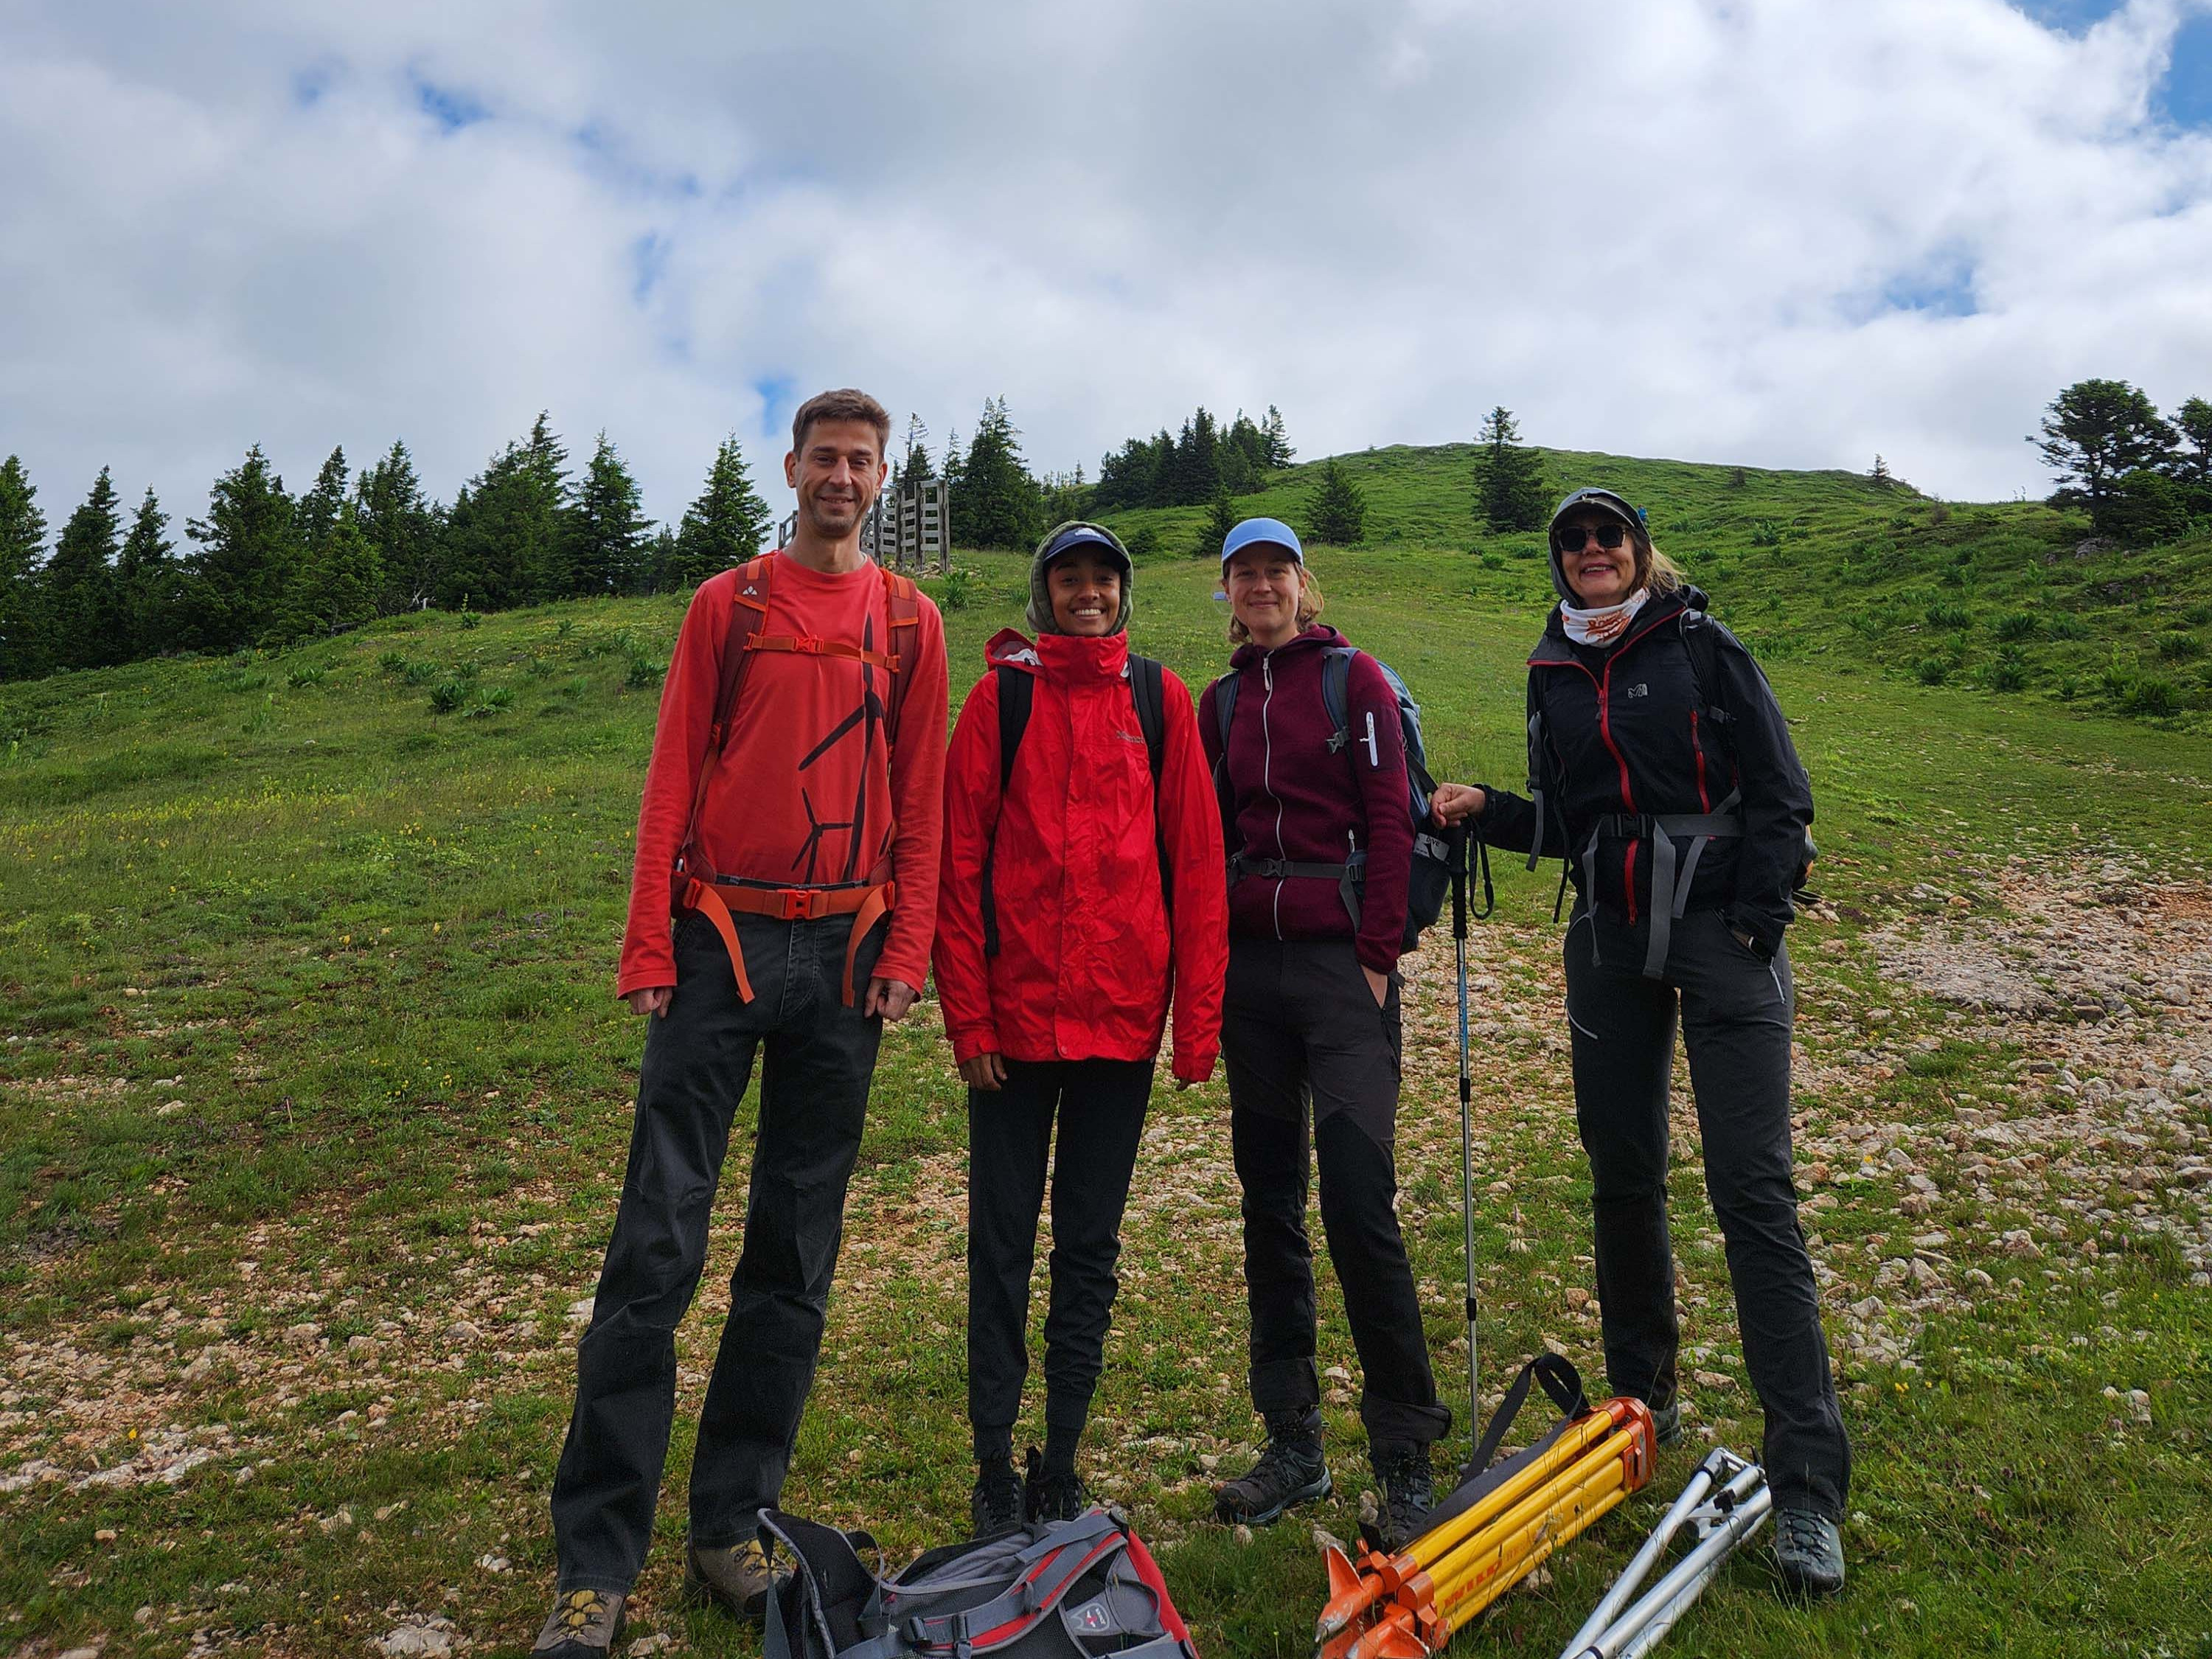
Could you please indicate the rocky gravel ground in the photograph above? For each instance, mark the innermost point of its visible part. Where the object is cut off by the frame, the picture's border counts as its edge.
(2000, 1089)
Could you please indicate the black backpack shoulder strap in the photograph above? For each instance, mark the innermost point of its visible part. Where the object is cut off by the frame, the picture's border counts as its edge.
(1701, 642)
(1146, 692)
(814, 1612)
(1336, 694)
(1015, 692)
(1225, 714)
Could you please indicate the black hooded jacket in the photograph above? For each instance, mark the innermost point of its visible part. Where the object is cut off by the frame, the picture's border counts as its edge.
(1625, 730)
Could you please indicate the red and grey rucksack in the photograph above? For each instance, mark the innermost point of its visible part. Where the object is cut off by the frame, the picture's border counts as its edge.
(1065, 1589)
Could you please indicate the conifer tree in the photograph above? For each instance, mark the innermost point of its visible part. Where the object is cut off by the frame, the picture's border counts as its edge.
(914, 466)
(2193, 465)
(2093, 434)
(1197, 460)
(1509, 480)
(318, 507)
(149, 585)
(727, 523)
(22, 544)
(248, 550)
(950, 465)
(608, 530)
(664, 562)
(337, 583)
(509, 547)
(80, 608)
(1879, 473)
(1219, 523)
(1000, 504)
(402, 525)
(1338, 513)
(1279, 450)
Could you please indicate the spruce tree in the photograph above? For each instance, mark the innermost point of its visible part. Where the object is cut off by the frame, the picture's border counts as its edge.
(1219, 523)
(2193, 465)
(1339, 514)
(510, 546)
(1509, 480)
(149, 585)
(998, 504)
(22, 544)
(729, 520)
(402, 525)
(915, 467)
(337, 585)
(1197, 460)
(1879, 473)
(318, 507)
(81, 609)
(248, 551)
(1279, 450)
(608, 531)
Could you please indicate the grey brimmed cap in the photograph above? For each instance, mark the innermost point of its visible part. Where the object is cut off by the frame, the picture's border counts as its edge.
(1584, 500)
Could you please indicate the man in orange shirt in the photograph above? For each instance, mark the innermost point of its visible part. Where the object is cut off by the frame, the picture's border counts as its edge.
(791, 826)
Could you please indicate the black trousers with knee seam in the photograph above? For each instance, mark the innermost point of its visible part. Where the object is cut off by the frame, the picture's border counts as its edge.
(818, 1057)
(1736, 1012)
(1303, 1037)
(1099, 1105)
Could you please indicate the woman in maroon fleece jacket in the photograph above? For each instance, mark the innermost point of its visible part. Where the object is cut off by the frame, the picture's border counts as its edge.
(1320, 846)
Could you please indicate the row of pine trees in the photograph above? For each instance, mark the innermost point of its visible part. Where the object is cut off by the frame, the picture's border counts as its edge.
(266, 568)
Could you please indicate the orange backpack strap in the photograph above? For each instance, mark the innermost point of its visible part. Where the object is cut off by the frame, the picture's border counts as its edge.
(903, 600)
(748, 610)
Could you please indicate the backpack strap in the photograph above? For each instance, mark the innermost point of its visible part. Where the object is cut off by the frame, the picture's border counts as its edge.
(1149, 693)
(1016, 691)
(902, 600)
(1224, 715)
(1336, 694)
(1050, 1567)
(748, 610)
(815, 1611)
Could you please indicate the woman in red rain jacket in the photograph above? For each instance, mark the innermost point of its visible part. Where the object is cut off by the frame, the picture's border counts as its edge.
(1082, 891)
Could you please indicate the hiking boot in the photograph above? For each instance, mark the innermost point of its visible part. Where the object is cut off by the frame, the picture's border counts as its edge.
(585, 1623)
(1408, 1491)
(735, 1577)
(1051, 1494)
(1666, 1421)
(996, 1504)
(1291, 1471)
(1808, 1549)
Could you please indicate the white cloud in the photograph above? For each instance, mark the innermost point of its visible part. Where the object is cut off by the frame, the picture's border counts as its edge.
(1779, 232)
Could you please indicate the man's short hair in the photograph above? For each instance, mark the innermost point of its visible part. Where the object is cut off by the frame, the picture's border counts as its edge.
(843, 405)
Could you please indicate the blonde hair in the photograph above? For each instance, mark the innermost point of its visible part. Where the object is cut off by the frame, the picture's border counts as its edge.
(1653, 569)
(1310, 607)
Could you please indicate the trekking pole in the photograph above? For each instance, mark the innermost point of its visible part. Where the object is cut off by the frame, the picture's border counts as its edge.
(1725, 1502)
(1459, 879)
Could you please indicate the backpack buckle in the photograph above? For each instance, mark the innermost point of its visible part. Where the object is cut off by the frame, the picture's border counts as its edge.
(807, 645)
(804, 903)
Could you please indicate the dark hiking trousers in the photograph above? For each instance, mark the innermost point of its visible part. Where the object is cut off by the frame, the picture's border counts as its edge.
(817, 1056)
(1736, 1013)
(1101, 1107)
(1300, 1030)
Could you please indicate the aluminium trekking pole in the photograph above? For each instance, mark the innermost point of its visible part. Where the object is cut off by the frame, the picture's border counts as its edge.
(1463, 835)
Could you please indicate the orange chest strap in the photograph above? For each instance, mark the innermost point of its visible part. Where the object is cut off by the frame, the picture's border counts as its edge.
(716, 900)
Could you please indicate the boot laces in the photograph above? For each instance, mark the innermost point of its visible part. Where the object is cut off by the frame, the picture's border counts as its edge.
(1803, 1533)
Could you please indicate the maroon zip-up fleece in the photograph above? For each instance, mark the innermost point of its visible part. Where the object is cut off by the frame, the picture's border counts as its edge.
(1294, 799)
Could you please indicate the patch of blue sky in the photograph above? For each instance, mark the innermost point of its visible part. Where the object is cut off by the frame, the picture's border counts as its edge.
(1939, 289)
(609, 157)
(451, 107)
(309, 85)
(2185, 96)
(779, 396)
(2067, 16)
(648, 260)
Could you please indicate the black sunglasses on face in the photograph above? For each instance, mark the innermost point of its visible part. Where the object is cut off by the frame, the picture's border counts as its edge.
(1609, 536)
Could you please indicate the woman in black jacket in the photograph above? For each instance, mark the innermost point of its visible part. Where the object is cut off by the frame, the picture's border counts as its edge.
(1661, 769)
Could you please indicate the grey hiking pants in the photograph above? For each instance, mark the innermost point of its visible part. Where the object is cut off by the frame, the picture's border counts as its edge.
(818, 1058)
(1736, 1012)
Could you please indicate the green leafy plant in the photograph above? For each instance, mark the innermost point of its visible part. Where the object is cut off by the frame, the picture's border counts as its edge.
(305, 676)
(642, 672)
(1932, 671)
(447, 695)
(1944, 613)
(2180, 647)
(2017, 625)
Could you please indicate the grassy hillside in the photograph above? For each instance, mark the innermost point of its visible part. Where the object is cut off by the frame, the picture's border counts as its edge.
(2013, 597)
(313, 1099)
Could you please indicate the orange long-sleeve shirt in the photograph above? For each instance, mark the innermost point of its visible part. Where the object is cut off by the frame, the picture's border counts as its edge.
(806, 793)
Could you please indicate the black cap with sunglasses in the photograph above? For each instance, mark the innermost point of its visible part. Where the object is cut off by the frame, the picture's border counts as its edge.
(1608, 536)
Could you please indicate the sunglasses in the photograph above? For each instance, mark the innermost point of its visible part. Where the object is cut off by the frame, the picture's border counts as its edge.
(1609, 537)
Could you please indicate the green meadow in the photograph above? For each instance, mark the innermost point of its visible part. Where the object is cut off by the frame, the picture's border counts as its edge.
(314, 1096)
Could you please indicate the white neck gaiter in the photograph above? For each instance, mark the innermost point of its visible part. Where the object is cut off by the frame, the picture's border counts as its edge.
(1604, 625)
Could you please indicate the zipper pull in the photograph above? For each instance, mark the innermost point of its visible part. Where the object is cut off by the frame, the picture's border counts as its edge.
(1267, 672)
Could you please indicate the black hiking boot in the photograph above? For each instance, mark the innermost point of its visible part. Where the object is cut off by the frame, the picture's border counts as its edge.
(1408, 1491)
(585, 1623)
(1291, 1471)
(1808, 1549)
(1667, 1422)
(1051, 1494)
(996, 1504)
(733, 1577)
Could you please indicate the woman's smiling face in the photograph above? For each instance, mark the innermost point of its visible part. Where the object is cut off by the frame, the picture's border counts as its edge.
(1086, 593)
(1599, 575)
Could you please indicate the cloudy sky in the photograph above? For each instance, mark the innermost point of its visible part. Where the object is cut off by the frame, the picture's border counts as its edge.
(1789, 233)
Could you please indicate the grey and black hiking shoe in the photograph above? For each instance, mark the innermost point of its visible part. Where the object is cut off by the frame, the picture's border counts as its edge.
(1291, 1471)
(1052, 1494)
(1808, 1549)
(735, 1577)
(1408, 1491)
(585, 1623)
(1666, 1421)
(997, 1503)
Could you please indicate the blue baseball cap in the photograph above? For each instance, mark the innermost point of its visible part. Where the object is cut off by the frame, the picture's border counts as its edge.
(1262, 533)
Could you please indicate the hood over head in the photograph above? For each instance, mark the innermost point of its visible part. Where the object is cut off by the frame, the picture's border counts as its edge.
(1077, 535)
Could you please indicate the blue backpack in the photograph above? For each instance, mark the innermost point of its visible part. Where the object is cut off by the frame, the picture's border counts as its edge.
(1430, 884)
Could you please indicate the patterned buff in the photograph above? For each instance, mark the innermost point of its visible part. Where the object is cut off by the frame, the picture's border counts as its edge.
(1607, 624)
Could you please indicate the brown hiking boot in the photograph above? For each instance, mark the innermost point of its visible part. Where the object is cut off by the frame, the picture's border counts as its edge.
(585, 1623)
